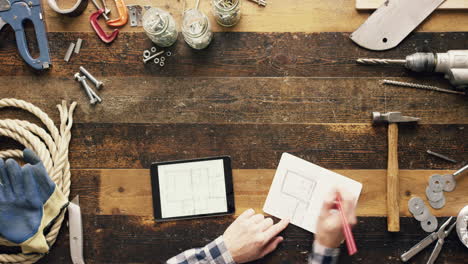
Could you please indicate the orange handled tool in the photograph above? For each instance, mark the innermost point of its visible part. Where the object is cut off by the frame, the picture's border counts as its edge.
(123, 15)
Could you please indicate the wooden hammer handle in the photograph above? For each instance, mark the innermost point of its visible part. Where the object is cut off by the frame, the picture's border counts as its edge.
(393, 208)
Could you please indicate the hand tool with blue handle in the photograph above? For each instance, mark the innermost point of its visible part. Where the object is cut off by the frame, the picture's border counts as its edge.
(15, 13)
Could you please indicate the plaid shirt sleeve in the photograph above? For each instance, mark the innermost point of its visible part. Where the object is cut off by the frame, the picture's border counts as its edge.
(323, 255)
(213, 253)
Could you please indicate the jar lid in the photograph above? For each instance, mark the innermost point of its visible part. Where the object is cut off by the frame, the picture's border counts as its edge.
(226, 5)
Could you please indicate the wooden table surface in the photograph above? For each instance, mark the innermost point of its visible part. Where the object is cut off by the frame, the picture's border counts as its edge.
(283, 80)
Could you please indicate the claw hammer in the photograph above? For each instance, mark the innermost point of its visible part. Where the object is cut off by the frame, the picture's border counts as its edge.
(393, 208)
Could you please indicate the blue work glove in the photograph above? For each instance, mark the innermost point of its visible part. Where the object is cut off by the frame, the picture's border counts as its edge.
(29, 202)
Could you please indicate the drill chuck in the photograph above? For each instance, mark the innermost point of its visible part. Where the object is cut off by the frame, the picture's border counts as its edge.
(421, 62)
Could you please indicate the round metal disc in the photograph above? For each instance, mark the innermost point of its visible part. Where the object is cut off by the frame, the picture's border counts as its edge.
(430, 225)
(449, 182)
(424, 216)
(416, 205)
(433, 196)
(439, 204)
(436, 182)
(462, 225)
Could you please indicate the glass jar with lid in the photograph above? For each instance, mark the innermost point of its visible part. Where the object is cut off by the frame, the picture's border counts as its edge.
(196, 29)
(226, 12)
(160, 27)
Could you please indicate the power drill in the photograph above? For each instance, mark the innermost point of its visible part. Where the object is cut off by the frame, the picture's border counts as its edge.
(453, 64)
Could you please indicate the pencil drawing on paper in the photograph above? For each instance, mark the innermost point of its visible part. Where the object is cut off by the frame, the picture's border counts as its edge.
(301, 188)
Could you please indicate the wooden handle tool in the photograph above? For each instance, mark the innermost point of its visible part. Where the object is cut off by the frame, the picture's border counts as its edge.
(393, 207)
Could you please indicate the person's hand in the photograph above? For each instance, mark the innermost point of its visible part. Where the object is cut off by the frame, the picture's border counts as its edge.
(252, 236)
(329, 227)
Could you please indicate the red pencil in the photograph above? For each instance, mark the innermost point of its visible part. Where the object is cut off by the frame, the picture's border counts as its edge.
(350, 243)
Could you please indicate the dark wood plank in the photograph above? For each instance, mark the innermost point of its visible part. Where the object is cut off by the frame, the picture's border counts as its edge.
(123, 239)
(251, 146)
(230, 54)
(235, 100)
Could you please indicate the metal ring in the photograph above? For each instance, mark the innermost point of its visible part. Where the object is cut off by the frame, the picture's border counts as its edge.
(153, 49)
(146, 54)
(156, 60)
(168, 53)
(163, 58)
(161, 64)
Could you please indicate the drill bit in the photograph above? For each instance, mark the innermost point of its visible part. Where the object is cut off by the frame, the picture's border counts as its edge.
(421, 86)
(380, 61)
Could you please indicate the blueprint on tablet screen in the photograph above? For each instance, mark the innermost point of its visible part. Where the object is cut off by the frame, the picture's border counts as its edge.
(299, 188)
(192, 188)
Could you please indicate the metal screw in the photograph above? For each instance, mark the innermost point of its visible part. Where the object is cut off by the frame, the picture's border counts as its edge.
(145, 60)
(82, 80)
(91, 77)
(421, 86)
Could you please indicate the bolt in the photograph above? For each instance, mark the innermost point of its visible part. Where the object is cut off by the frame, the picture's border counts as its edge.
(91, 77)
(82, 80)
(153, 56)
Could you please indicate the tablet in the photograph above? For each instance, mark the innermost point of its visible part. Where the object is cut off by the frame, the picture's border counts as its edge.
(192, 188)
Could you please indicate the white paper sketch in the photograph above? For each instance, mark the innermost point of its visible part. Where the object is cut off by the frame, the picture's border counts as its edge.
(192, 188)
(299, 188)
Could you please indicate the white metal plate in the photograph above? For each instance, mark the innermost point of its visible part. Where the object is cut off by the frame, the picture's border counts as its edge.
(374, 4)
(392, 23)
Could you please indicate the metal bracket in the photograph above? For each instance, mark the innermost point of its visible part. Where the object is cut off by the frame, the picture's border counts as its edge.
(135, 12)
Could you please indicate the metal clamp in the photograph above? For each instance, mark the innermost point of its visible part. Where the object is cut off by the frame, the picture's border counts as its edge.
(93, 19)
(123, 15)
(74, 11)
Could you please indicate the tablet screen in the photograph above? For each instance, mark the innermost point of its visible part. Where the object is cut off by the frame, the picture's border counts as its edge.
(192, 188)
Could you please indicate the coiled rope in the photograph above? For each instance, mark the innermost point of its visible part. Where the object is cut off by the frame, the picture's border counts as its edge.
(51, 148)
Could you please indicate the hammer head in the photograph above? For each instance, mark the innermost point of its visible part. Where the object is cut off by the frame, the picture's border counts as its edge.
(392, 117)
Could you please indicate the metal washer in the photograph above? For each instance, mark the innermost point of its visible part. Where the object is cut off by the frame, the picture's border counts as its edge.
(416, 205)
(436, 182)
(430, 225)
(439, 204)
(424, 216)
(433, 196)
(449, 182)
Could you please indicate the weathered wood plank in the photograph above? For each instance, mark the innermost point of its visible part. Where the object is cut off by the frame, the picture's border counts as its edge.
(123, 239)
(128, 192)
(278, 16)
(235, 100)
(231, 54)
(252, 146)
(240, 100)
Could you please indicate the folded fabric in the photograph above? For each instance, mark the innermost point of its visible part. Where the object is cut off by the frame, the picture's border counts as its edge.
(29, 202)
